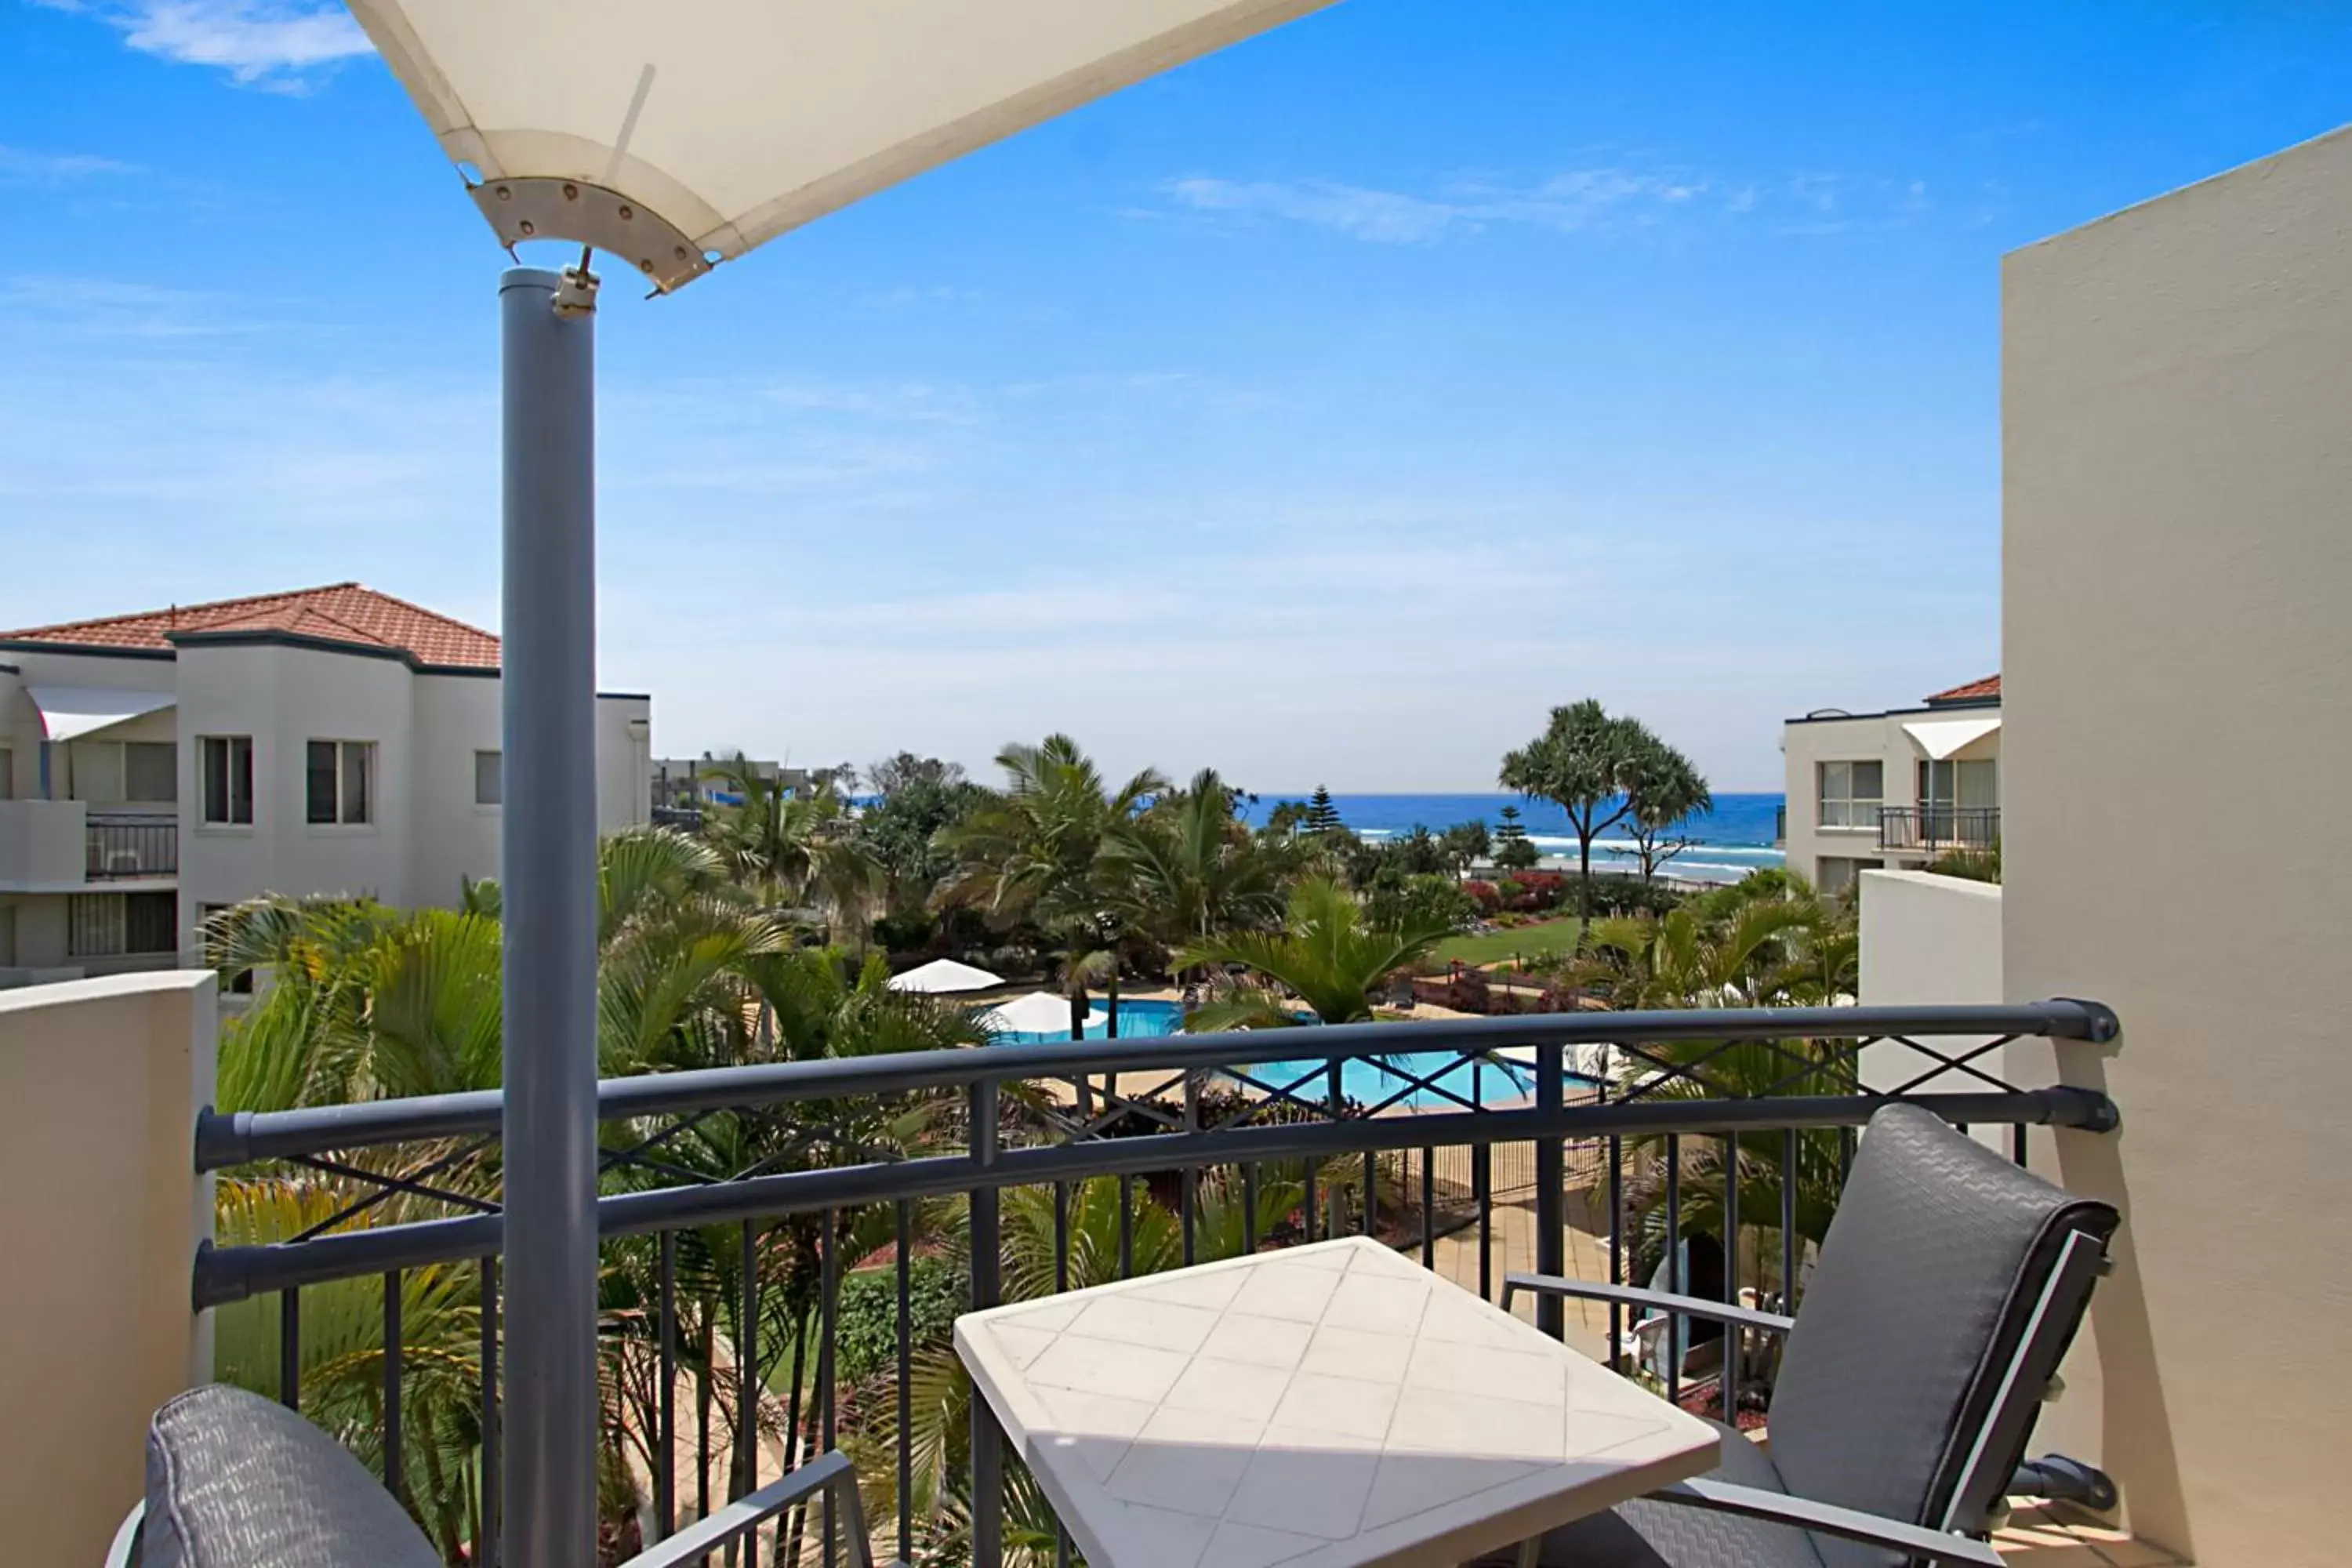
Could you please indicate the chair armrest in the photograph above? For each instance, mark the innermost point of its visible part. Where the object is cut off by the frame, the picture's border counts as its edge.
(1658, 1302)
(124, 1553)
(1916, 1542)
(831, 1473)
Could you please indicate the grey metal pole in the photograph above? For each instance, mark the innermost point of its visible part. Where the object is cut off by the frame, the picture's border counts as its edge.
(548, 695)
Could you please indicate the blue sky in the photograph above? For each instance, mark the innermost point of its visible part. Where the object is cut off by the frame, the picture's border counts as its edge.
(1323, 411)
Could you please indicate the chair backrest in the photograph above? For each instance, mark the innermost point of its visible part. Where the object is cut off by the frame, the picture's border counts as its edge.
(234, 1480)
(1946, 1288)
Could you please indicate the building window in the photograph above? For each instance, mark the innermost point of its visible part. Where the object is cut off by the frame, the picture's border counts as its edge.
(339, 782)
(1852, 793)
(151, 771)
(489, 779)
(228, 780)
(7, 773)
(109, 925)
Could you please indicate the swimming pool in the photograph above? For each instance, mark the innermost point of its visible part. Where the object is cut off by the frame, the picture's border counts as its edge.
(1365, 1082)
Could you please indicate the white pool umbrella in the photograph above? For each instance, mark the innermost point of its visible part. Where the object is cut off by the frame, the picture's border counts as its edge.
(1039, 1012)
(942, 976)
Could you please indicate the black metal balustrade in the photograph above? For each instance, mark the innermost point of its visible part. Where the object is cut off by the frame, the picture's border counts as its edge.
(685, 818)
(1938, 827)
(120, 846)
(1689, 1115)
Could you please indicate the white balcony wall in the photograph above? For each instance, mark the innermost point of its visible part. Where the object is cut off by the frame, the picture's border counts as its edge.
(43, 845)
(104, 1078)
(2177, 674)
(1926, 941)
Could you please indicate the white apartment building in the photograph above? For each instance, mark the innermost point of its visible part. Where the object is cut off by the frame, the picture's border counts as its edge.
(1892, 789)
(154, 767)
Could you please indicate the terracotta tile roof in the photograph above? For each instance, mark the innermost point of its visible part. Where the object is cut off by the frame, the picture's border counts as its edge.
(340, 612)
(1974, 691)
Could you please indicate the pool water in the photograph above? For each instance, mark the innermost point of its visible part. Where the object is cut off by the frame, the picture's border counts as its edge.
(1365, 1082)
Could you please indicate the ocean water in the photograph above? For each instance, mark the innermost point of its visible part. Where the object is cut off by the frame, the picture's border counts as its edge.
(1732, 841)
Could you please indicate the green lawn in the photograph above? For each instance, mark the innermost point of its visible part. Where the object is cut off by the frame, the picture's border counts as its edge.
(1531, 941)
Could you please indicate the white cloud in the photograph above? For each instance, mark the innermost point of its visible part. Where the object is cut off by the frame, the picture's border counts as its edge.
(274, 44)
(1574, 201)
(23, 166)
(1603, 200)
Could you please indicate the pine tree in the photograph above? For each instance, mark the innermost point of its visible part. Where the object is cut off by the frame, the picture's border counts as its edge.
(1322, 817)
(1512, 830)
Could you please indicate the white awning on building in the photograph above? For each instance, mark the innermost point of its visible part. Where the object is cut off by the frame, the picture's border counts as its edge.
(1039, 1012)
(942, 976)
(1941, 738)
(663, 132)
(68, 713)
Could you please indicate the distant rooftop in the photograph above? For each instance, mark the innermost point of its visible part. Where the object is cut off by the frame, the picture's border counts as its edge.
(1974, 691)
(342, 613)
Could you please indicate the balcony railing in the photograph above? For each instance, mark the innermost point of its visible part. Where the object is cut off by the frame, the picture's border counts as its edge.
(685, 818)
(735, 1201)
(1938, 827)
(125, 844)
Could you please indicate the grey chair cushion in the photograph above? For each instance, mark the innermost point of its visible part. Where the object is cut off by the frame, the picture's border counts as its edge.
(1645, 1534)
(234, 1480)
(1939, 1249)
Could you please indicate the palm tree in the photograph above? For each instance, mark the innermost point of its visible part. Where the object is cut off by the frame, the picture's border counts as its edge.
(1042, 849)
(1768, 942)
(367, 1002)
(1326, 953)
(1188, 868)
(793, 846)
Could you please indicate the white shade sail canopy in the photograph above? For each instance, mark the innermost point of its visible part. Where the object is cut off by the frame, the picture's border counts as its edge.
(1039, 1012)
(663, 132)
(1943, 738)
(944, 975)
(68, 713)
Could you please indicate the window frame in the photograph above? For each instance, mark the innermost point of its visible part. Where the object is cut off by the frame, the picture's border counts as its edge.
(348, 783)
(1837, 811)
(232, 747)
(497, 778)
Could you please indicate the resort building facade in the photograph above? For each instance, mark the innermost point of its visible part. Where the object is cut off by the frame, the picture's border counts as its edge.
(156, 766)
(1894, 789)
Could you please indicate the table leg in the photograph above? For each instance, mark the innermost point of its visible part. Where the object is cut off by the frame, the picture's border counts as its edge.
(1528, 1550)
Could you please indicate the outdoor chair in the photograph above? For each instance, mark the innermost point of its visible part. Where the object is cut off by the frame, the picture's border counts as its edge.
(234, 1480)
(1945, 1294)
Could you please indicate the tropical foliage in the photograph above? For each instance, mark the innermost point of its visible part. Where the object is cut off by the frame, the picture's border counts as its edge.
(1328, 956)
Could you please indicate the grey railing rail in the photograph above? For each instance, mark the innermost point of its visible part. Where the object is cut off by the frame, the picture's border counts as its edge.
(123, 845)
(1938, 827)
(1593, 1086)
(244, 1137)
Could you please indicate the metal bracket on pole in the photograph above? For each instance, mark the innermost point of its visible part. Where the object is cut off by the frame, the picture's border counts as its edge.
(575, 290)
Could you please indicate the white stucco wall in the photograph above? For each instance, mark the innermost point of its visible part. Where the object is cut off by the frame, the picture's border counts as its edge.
(625, 780)
(456, 715)
(2178, 680)
(1929, 941)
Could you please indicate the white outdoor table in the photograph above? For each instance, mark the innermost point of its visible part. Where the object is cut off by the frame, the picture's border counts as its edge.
(1326, 1407)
